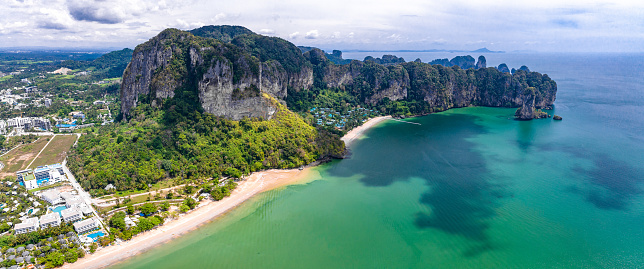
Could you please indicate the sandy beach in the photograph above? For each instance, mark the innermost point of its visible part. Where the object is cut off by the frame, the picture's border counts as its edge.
(357, 132)
(254, 184)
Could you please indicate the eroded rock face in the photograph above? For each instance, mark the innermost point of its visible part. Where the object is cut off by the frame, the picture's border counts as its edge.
(230, 82)
(527, 110)
(217, 90)
(482, 63)
(230, 86)
(139, 74)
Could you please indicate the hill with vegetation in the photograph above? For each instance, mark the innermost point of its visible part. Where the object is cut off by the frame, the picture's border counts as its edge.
(210, 103)
(109, 65)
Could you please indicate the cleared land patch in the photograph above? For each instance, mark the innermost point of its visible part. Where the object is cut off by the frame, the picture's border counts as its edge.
(56, 151)
(20, 157)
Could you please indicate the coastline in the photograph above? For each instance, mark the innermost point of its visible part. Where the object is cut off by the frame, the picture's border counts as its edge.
(254, 184)
(356, 133)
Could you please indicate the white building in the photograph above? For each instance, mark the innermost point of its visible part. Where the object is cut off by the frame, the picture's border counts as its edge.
(27, 226)
(52, 197)
(83, 207)
(73, 203)
(71, 215)
(28, 123)
(48, 220)
(42, 175)
(85, 226)
(68, 196)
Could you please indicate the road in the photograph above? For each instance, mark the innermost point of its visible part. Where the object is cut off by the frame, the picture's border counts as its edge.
(82, 193)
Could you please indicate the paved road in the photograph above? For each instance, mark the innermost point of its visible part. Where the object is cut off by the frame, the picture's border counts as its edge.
(82, 193)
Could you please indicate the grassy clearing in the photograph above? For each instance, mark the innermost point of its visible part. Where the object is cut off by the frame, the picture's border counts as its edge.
(5, 78)
(56, 151)
(19, 158)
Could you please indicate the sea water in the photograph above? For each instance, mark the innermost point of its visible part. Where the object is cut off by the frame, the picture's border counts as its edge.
(467, 188)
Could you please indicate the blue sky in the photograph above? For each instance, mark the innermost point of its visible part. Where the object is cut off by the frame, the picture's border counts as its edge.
(544, 25)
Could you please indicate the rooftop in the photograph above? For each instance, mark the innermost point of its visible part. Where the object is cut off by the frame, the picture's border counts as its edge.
(83, 223)
(50, 217)
(66, 213)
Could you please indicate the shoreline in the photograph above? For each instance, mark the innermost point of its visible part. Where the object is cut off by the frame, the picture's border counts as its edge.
(357, 133)
(252, 185)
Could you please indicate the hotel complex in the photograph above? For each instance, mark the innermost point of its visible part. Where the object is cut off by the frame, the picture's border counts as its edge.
(41, 176)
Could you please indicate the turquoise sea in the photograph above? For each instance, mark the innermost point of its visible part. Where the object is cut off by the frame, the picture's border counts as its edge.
(468, 188)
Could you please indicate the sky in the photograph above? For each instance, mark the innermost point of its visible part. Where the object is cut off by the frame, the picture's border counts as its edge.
(507, 25)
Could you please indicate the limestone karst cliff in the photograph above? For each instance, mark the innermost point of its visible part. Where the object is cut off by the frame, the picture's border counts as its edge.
(229, 74)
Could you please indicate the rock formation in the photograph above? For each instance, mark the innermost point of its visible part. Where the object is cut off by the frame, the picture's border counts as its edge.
(503, 68)
(230, 76)
(482, 63)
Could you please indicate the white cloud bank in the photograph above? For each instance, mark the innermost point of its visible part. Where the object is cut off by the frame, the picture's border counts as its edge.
(545, 25)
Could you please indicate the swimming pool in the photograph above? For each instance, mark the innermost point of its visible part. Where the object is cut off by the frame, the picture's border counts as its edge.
(31, 210)
(95, 235)
(58, 209)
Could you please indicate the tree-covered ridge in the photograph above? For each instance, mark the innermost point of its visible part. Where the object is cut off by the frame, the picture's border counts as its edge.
(143, 150)
(109, 65)
(267, 48)
(416, 88)
(223, 33)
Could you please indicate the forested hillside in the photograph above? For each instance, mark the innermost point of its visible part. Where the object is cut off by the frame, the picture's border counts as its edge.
(210, 103)
(144, 150)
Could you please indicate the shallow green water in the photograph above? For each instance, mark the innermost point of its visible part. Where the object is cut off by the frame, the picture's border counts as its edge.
(468, 188)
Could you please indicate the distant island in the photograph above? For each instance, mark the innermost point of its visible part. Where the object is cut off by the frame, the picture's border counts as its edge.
(481, 50)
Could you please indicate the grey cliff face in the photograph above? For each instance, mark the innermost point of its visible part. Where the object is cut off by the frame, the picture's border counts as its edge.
(232, 83)
(527, 109)
(138, 76)
(226, 88)
(481, 63)
(393, 85)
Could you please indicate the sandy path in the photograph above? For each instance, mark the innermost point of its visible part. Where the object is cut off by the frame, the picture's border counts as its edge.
(254, 184)
(357, 132)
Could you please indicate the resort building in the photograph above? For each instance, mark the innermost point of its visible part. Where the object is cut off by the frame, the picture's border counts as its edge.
(71, 215)
(29, 122)
(27, 226)
(68, 197)
(85, 226)
(43, 175)
(73, 203)
(20, 175)
(83, 207)
(48, 220)
(52, 197)
(30, 182)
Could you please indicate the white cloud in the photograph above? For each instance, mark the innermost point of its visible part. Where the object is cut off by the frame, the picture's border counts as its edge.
(184, 25)
(54, 19)
(221, 16)
(313, 34)
(573, 25)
